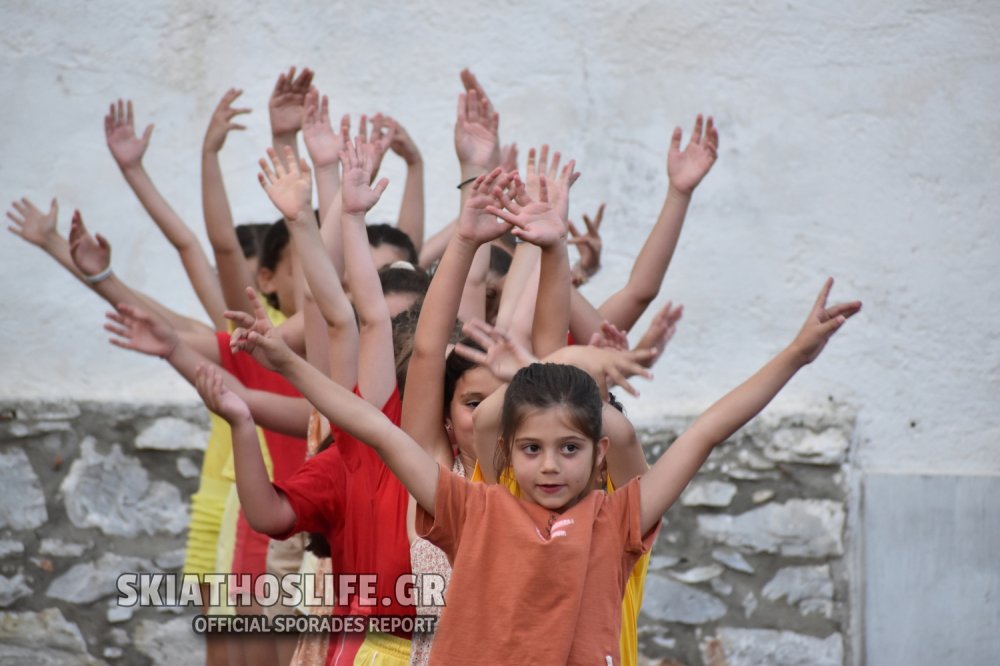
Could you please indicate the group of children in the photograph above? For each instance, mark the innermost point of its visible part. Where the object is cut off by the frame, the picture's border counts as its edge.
(384, 404)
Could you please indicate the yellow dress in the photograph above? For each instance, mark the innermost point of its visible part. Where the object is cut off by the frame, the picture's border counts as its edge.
(631, 602)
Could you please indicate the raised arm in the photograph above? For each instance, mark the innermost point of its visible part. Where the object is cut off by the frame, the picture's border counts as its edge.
(408, 461)
(376, 365)
(127, 150)
(324, 146)
(663, 484)
(411, 209)
(685, 169)
(290, 190)
(92, 258)
(234, 272)
(136, 329)
(40, 229)
(423, 412)
(266, 510)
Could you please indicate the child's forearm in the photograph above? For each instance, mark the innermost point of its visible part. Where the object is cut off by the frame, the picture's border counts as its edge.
(435, 246)
(282, 414)
(584, 319)
(663, 484)
(411, 209)
(376, 366)
(366, 423)
(551, 321)
(333, 236)
(625, 307)
(234, 274)
(199, 271)
(266, 510)
(520, 288)
(473, 303)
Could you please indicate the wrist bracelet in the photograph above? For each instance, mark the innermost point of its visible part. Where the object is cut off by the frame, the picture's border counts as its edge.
(466, 182)
(98, 277)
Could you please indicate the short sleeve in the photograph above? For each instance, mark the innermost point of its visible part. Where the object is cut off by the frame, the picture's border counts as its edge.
(444, 528)
(316, 493)
(628, 504)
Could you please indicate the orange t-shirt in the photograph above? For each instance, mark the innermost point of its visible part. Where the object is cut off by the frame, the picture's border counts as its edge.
(529, 585)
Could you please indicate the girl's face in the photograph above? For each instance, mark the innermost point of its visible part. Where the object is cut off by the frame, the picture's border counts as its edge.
(553, 461)
(471, 389)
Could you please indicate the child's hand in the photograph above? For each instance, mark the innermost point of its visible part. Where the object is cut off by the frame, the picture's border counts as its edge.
(686, 169)
(90, 256)
(287, 101)
(383, 134)
(255, 335)
(609, 337)
(289, 188)
(358, 159)
(589, 247)
(608, 367)
(822, 323)
(32, 224)
(119, 130)
(503, 356)
(219, 399)
(476, 223)
(476, 142)
(660, 331)
(222, 121)
(403, 145)
(538, 222)
(141, 331)
(324, 145)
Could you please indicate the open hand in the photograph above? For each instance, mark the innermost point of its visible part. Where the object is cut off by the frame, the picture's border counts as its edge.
(609, 367)
(402, 144)
(140, 331)
(686, 168)
(32, 224)
(500, 354)
(91, 255)
(358, 158)
(289, 187)
(219, 399)
(255, 335)
(324, 145)
(609, 337)
(287, 101)
(119, 130)
(660, 331)
(538, 222)
(478, 223)
(822, 323)
(222, 121)
(477, 143)
(589, 246)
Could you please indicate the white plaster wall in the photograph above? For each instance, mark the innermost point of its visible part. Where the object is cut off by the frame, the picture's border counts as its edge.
(858, 140)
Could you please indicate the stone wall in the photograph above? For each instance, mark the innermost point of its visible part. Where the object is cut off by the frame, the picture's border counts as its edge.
(749, 568)
(89, 491)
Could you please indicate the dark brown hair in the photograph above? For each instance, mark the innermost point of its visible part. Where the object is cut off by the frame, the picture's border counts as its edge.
(544, 386)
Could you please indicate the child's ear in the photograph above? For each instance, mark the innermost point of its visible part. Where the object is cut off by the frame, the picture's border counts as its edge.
(602, 449)
(265, 281)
